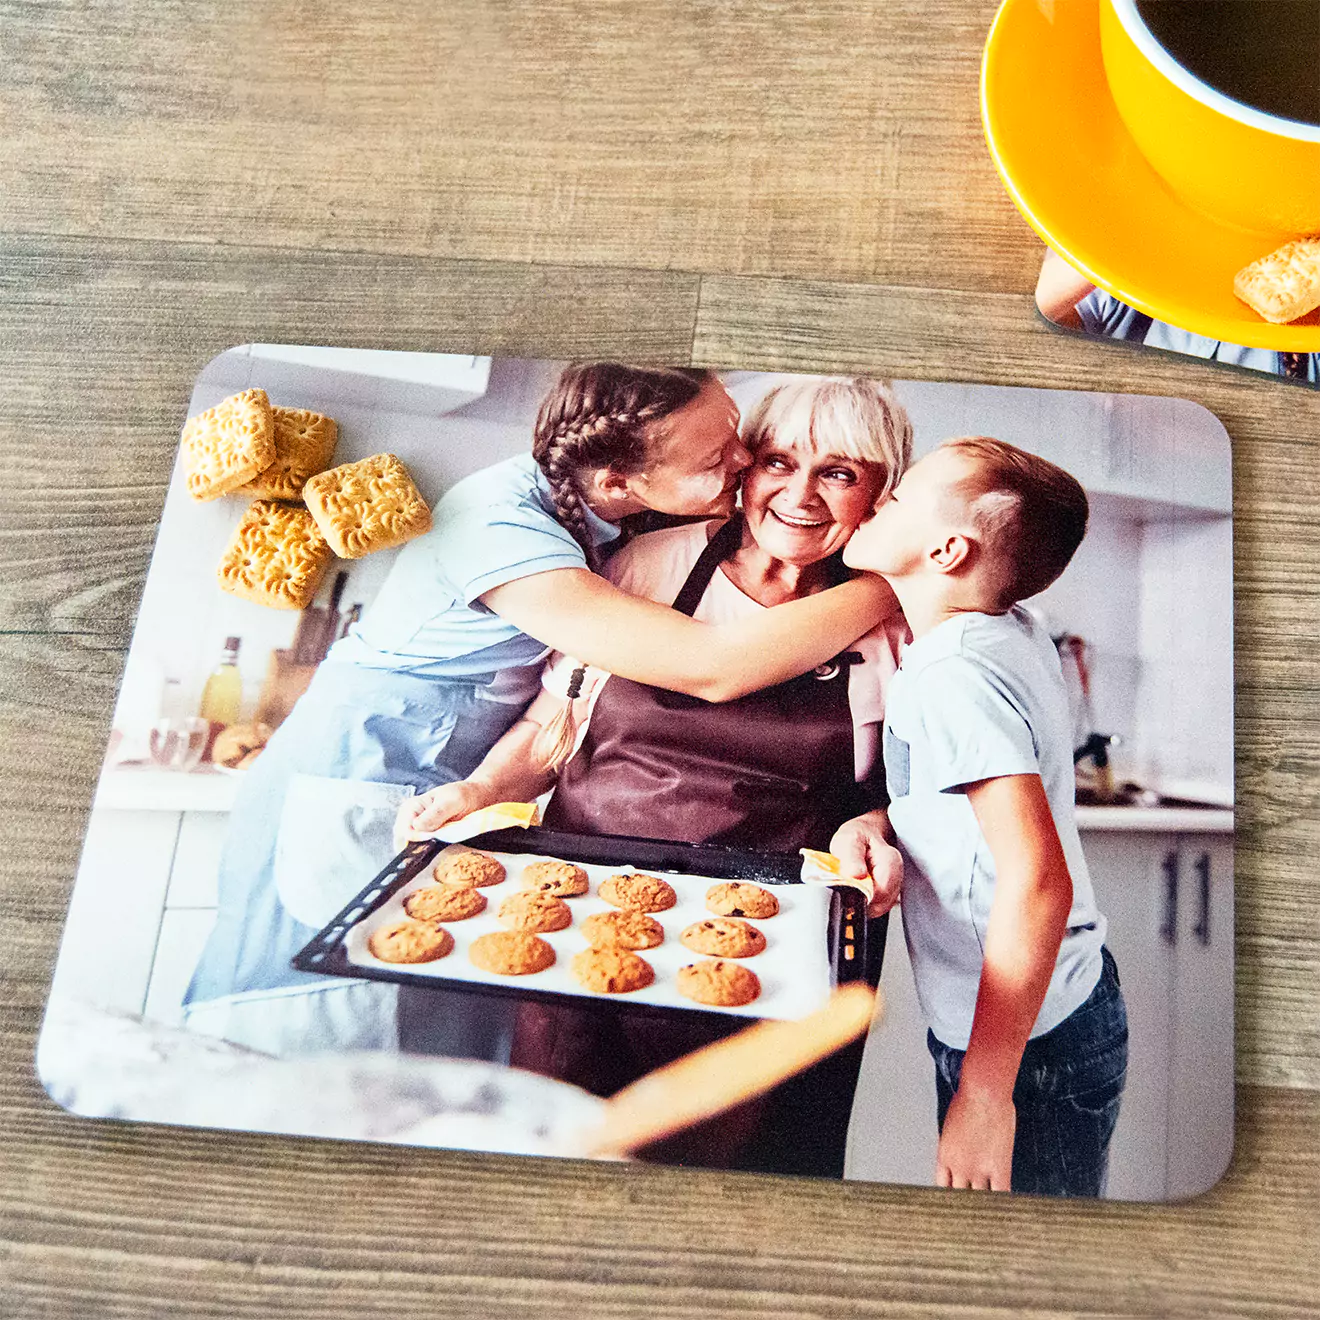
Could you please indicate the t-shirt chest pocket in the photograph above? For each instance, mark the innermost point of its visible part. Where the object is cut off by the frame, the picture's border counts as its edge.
(898, 765)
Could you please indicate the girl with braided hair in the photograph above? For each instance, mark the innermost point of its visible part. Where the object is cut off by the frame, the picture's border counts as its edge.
(443, 663)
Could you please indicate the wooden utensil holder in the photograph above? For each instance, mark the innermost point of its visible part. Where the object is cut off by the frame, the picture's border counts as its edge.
(285, 682)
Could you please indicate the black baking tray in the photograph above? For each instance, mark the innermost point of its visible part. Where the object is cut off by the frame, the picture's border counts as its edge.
(856, 944)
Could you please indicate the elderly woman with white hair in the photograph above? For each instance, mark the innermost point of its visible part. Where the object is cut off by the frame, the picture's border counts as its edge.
(779, 769)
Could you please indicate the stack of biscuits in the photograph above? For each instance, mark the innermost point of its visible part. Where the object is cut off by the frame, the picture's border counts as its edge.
(302, 512)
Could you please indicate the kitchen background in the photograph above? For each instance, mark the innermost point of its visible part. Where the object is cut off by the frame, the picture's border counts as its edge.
(1147, 602)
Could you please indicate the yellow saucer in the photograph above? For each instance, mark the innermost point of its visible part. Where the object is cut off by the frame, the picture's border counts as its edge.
(1074, 171)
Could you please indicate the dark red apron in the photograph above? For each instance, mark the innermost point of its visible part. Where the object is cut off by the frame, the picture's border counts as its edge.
(773, 770)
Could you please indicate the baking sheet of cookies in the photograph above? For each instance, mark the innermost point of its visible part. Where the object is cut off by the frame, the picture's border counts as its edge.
(794, 968)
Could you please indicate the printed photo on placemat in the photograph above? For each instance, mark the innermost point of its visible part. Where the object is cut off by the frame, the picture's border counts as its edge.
(820, 775)
(1066, 298)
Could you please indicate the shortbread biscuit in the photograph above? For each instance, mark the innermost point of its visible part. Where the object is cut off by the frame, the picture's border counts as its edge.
(638, 893)
(718, 982)
(445, 903)
(468, 868)
(277, 557)
(511, 953)
(723, 937)
(612, 971)
(562, 879)
(304, 445)
(623, 930)
(737, 898)
(529, 909)
(1285, 284)
(368, 505)
(410, 942)
(226, 446)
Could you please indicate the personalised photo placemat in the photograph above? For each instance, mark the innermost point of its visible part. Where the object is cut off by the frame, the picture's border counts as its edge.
(822, 775)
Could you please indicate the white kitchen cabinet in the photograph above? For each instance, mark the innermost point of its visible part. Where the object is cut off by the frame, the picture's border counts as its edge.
(1169, 901)
(194, 875)
(183, 934)
(1201, 1075)
(190, 907)
(142, 907)
(1128, 872)
(113, 926)
(892, 1135)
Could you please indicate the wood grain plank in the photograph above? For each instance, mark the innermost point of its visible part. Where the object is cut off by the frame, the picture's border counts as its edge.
(57, 692)
(944, 334)
(837, 140)
(103, 341)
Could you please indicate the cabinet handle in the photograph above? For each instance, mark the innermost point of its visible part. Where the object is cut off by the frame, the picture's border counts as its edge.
(1202, 927)
(1169, 925)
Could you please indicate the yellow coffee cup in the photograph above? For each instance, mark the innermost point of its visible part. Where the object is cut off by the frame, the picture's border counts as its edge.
(1235, 163)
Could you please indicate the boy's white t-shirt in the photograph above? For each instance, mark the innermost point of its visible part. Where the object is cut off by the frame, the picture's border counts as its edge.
(978, 697)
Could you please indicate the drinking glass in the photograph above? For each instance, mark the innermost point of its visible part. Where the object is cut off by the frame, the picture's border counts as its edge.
(177, 743)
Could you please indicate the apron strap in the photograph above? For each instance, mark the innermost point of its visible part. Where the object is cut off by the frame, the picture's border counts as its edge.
(722, 546)
(838, 571)
(718, 549)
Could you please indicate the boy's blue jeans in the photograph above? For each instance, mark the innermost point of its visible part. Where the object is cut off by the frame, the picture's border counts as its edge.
(1067, 1094)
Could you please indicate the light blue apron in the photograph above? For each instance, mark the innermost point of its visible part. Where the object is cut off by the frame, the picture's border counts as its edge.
(311, 824)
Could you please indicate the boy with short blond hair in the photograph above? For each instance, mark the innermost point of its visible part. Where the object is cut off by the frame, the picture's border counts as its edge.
(1028, 1028)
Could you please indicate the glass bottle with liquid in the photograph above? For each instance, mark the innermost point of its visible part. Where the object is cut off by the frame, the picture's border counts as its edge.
(222, 697)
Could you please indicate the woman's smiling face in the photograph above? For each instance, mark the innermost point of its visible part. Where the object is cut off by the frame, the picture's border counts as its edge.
(800, 505)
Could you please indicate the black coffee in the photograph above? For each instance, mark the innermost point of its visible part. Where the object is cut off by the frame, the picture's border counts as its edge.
(1263, 53)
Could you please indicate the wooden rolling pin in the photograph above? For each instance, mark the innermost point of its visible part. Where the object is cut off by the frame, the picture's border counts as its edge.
(719, 1076)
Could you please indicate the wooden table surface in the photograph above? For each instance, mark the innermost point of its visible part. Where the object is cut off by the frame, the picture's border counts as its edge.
(755, 184)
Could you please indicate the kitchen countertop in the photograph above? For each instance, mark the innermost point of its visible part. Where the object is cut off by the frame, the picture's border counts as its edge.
(146, 788)
(1155, 820)
(769, 185)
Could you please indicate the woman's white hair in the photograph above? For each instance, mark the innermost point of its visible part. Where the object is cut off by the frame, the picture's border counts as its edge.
(852, 416)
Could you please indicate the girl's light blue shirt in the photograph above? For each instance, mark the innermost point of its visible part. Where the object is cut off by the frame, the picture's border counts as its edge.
(493, 527)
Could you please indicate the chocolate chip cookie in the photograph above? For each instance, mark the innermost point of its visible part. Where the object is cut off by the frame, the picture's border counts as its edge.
(718, 982)
(444, 903)
(410, 942)
(562, 879)
(638, 893)
(623, 930)
(468, 868)
(612, 971)
(530, 909)
(511, 953)
(724, 937)
(737, 898)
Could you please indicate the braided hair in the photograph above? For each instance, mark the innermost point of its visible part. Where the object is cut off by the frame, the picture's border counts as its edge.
(602, 415)
(599, 415)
